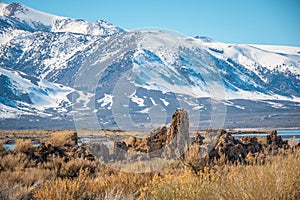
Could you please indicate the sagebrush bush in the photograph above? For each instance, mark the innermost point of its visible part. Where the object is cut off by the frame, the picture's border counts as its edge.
(118, 185)
(20, 183)
(24, 146)
(62, 138)
(13, 161)
(279, 179)
(2, 149)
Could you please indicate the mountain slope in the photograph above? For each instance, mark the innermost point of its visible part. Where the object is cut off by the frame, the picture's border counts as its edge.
(32, 20)
(153, 73)
(28, 95)
(42, 44)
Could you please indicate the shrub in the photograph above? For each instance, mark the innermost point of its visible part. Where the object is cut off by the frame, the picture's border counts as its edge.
(24, 146)
(279, 179)
(72, 168)
(19, 184)
(2, 149)
(117, 185)
(13, 161)
(63, 138)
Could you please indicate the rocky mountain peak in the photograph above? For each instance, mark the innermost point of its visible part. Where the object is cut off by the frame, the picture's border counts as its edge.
(14, 8)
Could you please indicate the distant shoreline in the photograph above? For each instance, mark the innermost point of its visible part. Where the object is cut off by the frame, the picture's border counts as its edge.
(38, 136)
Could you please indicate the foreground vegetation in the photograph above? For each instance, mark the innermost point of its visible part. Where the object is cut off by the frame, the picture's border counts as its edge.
(26, 173)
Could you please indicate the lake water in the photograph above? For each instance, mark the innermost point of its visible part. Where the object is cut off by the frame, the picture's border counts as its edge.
(285, 134)
(12, 146)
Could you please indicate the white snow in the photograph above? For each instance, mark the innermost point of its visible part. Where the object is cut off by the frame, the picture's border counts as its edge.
(155, 75)
(2, 6)
(43, 96)
(199, 107)
(106, 100)
(83, 27)
(251, 56)
(30, 15)
(229, 103)
(164, 101)
(275, 104)
(145, 111)
(139, 101)
(83, 100)
(278, 49)
(7, 112)
(251, 95)
(62, 50)
(153, 102)
(59, 23)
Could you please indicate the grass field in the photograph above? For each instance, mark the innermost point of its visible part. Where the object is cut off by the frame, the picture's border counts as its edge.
(66, 176)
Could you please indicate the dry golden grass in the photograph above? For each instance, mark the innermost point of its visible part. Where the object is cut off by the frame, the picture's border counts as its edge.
(76, 178)
(15, 161)
(30, 132)
(279, 179)
(61, 138)
(116, 185)
(2, 149)
(20, 183)
(24, 146)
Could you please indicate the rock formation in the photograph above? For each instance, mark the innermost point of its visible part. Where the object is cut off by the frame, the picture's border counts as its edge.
(214, 147)
(227, 149)
(211, 148)
(161, 141)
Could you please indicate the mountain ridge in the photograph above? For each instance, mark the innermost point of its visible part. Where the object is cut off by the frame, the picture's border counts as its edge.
(162, 71)
(40, 21)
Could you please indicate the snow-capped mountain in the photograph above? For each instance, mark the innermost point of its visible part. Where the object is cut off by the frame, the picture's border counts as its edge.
(32, 20)
(146, 73)
(30, 38)
(21, 94)
(130, 79)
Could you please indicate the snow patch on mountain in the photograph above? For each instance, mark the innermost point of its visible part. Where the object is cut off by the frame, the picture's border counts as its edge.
(107, 100)
(7, 112)
(139, 101)
(41, 95)
(280, 58)
(164, 102)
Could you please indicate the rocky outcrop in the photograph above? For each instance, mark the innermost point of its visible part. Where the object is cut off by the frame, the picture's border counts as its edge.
(198, 153)
(160, 142)
(46, 152)
(274, 143)
(178, 135)
(228, 149)
(213, 147)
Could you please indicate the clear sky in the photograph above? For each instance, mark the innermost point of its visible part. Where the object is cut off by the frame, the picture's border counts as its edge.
(275, 22)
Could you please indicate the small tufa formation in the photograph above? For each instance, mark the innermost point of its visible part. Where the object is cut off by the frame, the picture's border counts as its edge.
(178, 135)
(274, 140)
(198, 153)
(219, 147)
(233, 150)
(161, 141)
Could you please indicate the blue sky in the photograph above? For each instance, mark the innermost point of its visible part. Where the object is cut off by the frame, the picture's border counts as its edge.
(275, 22)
